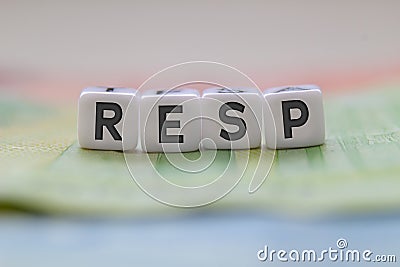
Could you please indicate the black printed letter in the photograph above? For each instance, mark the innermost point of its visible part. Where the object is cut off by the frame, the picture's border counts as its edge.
(288, 122)
(109, 123)
(164, 124)
(232, 120)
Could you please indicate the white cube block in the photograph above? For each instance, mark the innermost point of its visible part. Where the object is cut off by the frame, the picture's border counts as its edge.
(232, 118)
(170, 120)
(101, 115)
(298, 115)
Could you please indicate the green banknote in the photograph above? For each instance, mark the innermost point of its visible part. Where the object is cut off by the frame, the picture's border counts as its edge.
(357, 170)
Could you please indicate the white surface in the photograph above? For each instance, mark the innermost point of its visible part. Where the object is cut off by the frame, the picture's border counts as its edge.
(311, 133)
(205, 239)
(87, 117)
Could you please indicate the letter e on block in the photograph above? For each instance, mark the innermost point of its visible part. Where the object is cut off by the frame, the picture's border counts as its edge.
(170, 120)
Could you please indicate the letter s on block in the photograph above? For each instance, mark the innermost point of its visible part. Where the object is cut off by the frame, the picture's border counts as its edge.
(232, 120)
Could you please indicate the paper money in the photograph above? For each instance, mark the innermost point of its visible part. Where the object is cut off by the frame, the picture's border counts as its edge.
(43, 170)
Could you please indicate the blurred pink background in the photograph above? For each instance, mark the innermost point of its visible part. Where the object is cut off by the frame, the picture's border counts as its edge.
(52, 50)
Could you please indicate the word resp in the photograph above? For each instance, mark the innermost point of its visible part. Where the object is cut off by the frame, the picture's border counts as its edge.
(179, 120)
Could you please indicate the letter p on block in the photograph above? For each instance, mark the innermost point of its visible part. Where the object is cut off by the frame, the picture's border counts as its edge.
(294, 117)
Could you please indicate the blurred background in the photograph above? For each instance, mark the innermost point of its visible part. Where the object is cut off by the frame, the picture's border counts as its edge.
(57, 48)
(51, 50)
